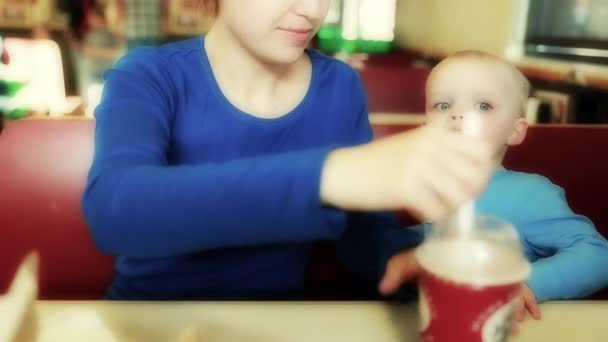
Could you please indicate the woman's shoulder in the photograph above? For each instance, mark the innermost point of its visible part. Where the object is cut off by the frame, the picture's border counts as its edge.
(165, 59)
(338, 79)
(332, 66)
(161, 69)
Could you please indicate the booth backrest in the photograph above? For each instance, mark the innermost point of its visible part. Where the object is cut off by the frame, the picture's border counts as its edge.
(43, 168)
(44, 164)
(571, 156)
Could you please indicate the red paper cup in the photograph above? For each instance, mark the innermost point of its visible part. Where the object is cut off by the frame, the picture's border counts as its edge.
(469, 284)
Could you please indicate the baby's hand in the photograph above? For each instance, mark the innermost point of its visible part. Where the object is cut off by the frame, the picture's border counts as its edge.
(400, 268)
(527, 302)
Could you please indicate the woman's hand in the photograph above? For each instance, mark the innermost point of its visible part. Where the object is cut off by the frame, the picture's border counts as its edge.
(428, 171)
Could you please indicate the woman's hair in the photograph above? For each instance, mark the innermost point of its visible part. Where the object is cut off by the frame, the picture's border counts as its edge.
(211, 7)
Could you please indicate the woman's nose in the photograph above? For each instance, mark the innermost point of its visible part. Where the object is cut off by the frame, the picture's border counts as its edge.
(313, 10)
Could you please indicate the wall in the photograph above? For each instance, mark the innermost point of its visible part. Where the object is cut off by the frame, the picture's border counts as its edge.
(446, 26)
(441, 27)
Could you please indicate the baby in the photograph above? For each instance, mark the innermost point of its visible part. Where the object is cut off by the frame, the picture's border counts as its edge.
(568, 255)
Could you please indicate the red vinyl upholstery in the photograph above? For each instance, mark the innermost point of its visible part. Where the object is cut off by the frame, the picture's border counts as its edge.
(44, 164)
(572, 157)
(43, 168)
(394, 88)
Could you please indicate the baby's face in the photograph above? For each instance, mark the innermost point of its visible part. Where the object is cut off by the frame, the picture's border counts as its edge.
(461, 85)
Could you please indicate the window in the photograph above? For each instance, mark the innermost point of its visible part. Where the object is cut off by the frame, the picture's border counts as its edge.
(568, 29)
(359, 25)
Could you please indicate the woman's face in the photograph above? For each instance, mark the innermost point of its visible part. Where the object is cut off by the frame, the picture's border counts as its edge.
(275, 31)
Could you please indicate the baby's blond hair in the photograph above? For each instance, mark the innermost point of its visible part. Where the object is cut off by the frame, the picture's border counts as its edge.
(522, 83)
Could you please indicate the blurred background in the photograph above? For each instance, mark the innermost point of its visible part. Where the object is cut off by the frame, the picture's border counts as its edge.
(55, 51)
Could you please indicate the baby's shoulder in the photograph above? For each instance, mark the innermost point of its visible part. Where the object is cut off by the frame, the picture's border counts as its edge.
(532, 192)
(528, 183)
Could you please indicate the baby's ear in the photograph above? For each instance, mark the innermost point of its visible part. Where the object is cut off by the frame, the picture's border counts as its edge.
(520, 129)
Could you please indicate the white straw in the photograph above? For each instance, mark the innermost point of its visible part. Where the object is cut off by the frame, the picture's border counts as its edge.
(471, 126)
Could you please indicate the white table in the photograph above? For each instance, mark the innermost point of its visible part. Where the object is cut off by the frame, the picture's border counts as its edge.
(308, 321)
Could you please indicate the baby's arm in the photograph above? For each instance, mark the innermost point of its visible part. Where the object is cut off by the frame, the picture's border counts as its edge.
(572, 254)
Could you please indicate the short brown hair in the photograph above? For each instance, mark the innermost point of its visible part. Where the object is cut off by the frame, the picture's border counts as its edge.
(211, 7)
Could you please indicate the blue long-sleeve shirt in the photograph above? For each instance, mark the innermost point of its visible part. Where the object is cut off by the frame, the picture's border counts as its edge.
(569, 257)
(201, 200)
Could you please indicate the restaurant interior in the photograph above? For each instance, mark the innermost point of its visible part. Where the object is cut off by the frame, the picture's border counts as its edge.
(53, 56)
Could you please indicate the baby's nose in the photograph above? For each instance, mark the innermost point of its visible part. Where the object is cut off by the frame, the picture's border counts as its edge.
(455, 122)
(456, 117)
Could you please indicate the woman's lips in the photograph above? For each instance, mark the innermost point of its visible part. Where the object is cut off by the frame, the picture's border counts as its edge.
(298, 35)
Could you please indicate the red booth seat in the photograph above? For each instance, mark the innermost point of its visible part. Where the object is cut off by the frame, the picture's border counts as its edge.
(572, 156)
(44, 164)
(394, 88)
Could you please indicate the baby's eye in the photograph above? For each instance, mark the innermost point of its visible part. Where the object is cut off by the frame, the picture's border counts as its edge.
(442, 106)
(484, 106)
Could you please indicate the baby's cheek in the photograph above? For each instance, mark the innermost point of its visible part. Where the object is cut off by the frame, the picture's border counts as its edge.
(437, 119)
(494, 136)
(429, 116)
